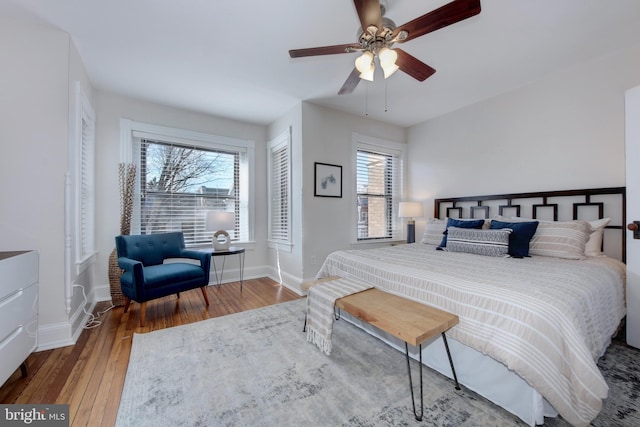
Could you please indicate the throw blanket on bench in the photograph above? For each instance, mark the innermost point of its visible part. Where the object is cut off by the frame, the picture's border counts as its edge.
(320, 308)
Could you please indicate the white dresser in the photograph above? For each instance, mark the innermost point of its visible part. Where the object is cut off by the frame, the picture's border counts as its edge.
(18, 309)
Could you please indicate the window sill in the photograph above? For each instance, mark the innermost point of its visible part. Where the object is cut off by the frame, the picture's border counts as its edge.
(281, 246)
(86, 262)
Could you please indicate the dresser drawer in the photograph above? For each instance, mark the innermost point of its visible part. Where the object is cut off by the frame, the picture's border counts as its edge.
(18, 309)
(16, 347)
(17, 272)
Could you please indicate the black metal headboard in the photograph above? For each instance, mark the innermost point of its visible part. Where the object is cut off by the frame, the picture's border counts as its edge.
(588, 204)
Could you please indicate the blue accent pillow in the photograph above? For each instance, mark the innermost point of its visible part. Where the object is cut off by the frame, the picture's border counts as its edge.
(520, 237)
(460, 223)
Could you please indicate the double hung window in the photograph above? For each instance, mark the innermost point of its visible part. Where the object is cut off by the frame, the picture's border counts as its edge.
(182, 183)
(279, 190)
(379, 177)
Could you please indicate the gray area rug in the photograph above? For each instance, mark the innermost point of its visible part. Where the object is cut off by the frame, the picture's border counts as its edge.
(256, 369)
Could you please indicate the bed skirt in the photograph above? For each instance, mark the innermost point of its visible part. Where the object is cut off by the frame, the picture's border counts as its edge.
(477, 372)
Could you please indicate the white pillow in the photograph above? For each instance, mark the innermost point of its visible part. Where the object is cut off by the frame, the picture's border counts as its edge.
(433, 231)
(593, 246)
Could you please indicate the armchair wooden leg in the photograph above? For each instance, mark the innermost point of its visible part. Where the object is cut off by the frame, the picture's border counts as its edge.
(143, 313)
(204, 294)
(127, 301)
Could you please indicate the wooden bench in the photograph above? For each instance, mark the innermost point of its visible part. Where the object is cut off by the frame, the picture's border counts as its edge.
(408, 320)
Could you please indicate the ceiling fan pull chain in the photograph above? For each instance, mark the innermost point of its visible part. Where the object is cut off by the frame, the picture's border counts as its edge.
(366, 100)
(385, 95)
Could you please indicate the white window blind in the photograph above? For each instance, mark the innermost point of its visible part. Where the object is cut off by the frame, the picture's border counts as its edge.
(378, 189)
(180, 183)
(84, 159)
(87, 190)
(280, 189)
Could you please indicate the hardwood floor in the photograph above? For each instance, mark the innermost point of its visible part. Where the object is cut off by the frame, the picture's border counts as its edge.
(90, 374)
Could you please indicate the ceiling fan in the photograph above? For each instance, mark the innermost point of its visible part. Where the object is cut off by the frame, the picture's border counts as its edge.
(379, 34)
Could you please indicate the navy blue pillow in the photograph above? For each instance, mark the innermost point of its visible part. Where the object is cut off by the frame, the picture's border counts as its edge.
(520, 237)
(460, 223)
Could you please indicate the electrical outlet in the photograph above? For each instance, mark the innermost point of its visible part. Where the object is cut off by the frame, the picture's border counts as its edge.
(313, 260)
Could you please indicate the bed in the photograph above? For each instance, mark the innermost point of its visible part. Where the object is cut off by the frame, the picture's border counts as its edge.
(531, 328)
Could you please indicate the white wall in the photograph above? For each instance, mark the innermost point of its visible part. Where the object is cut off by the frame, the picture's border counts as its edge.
(321, 225)
(110, 108)
(562, 132)
(39, 65)
(327, 222)
(287, 265)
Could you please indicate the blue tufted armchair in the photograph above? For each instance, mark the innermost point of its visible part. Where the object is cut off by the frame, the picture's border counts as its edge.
(147, 277)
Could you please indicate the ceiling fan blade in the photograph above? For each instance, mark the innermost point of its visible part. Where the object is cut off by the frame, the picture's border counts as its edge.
(413, 66)
(324, 50)
(351, 83)
(369, 13)
(446, 15)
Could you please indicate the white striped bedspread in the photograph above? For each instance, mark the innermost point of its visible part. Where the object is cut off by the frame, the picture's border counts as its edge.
(547, 319)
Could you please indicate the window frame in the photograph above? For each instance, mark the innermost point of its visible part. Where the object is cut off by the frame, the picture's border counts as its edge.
(281, 141)
(130, 130)
(360, 142)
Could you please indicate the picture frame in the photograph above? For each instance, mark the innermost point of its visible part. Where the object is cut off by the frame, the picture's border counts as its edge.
(327, 180)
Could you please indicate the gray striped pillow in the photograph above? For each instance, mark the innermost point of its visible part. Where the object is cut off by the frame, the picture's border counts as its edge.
(477, 241)
(561, 239)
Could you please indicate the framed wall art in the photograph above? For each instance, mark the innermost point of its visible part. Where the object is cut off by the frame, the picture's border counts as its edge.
(328, 180)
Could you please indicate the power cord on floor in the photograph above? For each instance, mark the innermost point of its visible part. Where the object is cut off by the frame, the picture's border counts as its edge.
(92, 321)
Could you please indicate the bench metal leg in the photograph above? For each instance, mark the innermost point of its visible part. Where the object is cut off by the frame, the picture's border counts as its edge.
(413, 400)
(453, 370)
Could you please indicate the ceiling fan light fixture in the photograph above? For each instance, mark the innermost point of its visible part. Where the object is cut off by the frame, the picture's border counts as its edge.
(364, 63)
(389, 69)
(388, 59)
(368, 74)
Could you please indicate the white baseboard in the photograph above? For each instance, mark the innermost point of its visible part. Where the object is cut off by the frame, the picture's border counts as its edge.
(62, 334)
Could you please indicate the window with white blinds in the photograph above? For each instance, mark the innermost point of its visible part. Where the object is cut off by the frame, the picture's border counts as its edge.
(179, 184)
(378, 191)
(279, 170)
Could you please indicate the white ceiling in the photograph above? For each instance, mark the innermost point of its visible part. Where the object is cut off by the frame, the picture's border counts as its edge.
(230, 58)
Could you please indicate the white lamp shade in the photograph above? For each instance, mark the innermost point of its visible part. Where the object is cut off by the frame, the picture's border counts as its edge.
(410, 210)
(388, 59)
(389, 69)
(220, 220)
(364, 62)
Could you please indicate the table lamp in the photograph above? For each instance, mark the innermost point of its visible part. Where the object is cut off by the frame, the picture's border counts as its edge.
(221, 221)
(410, 210)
